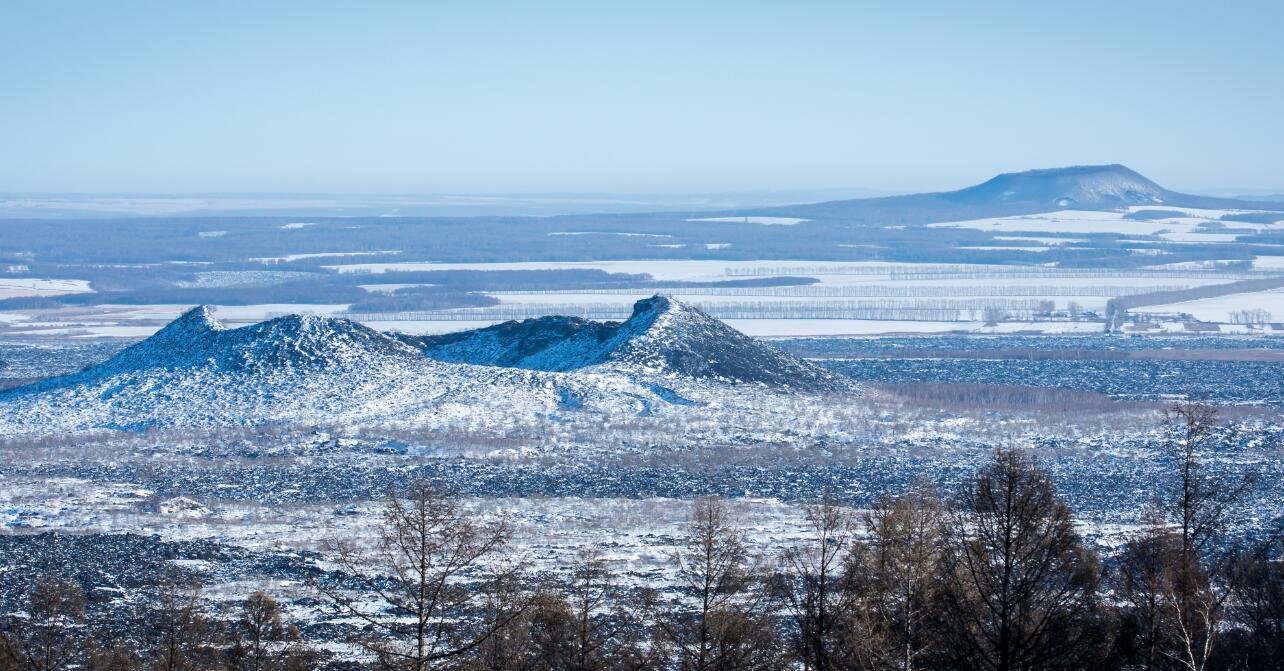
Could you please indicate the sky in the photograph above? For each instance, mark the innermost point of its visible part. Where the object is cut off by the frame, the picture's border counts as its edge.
(478, 96)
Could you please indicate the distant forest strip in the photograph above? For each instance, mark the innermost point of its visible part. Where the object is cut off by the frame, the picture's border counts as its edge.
(880, 309)
(869, 290)
(437, 290)
(1118, 306)
(976, 272)
(1032, 354)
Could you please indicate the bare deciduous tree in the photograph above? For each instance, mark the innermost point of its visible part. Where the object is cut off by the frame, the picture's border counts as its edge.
(427, 562)
(1139, 583)
(115, 656)
(1258, 608)
(724, 629)
(1024, 589)
(603, 632)
(814, 587)
(261, 633)
(1195, 581)
(47, 638)
(898, 576)
(183, 633)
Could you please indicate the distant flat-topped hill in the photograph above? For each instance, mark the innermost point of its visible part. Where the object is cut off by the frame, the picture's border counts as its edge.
(1086, 187)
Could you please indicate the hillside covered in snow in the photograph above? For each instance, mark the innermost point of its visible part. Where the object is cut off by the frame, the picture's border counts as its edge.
(314, 370)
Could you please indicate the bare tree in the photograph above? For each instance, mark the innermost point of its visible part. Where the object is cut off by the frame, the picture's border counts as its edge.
(259, 629)
(116, 656)
(814, 587)
(47, 639)
(1196, 583)
(1140, 584)
(1258, 607)
(1199, 503)
(183, 633)
(425, 565)
(724, 629)
(526, 633)
(603, 631)
(898, 576)
(1024, 588)
(260, 624)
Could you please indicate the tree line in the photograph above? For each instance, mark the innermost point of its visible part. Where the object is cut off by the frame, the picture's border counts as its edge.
(995, 576)
(1117, 308)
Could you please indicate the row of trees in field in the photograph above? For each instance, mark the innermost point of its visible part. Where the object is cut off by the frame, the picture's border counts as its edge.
(916, 309)
(986, 271)
(995, 576)
(1117, 308)
(961, 290)
(1254, 316)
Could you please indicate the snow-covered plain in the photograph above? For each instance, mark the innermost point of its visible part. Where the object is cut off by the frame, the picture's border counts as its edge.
(321, 255)
(1186, 224)
(12, 287)
(765, 221)
(1219, 309)
(1269, 263)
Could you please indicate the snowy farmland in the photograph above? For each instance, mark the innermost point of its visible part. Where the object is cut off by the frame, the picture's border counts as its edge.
(832, 298)
(1220, 309)
(12, 287)
(1185, 224)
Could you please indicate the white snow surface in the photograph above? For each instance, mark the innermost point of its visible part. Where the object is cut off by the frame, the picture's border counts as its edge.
(11, 287)
(1186, 224)
(765, 221)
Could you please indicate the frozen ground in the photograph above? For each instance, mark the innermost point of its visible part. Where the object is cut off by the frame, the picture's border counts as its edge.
(11, 287)
(1185, 224)
(319, 255)
(767, 221)
(660, 269)
(1269, 263)
(1219, 309)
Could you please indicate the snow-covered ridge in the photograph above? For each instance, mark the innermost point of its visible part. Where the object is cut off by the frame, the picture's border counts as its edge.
(197, 339)
(662, 337)
(324, 371)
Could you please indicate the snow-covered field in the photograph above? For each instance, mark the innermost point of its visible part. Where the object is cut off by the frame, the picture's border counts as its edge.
(889, 285)
(1218, 309)
(766, 221)
(140, 320)
(1186, 224)
(321, 255)
(549, 533)
(12, 287)
(660, 269)
(1269, 263)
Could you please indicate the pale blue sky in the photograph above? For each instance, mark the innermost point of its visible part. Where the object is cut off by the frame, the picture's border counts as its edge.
(478, 96)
